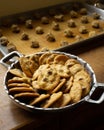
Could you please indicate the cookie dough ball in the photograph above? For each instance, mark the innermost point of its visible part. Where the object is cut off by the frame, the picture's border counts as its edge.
(83, 30)
(55, 26)
(83, 11)
(68, 33)
(39, 30)
(4, 41)
(95, 24)
(95, 15)
(15, 28)
(71, 23)
(11, 47)
(35, 44)
(45, 20)
(59, 18)
(78, 38)
(29, 24)
(73, 14)
(92, 33)
(24, 36)
(50, 37)
(64, 43)
(84, 19)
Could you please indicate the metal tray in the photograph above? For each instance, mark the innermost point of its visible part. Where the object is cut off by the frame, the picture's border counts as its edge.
(35, 109)
(43, 11)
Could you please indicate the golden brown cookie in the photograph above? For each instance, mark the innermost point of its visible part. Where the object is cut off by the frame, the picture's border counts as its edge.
(57, 88)
(60, 59)
(35, 85)
(85, 87)
(63, 101)
(35, 58)
(14, 85)
(40, 98)
(68, 85)
(53, 98)
(20, 80)
(82, 76)
(71, 62)
(26, 95)
(15, 80)
(50, 59)
(76, 92)
(20, 89)
(28, 66)
(48, 79)
(62, 70)
(43, 58)
(17, 72)
(24, 63)
(39, 71)
(85, 80)
(75, 68)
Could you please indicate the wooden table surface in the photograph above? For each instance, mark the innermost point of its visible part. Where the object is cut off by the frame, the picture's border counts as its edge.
(13, 117)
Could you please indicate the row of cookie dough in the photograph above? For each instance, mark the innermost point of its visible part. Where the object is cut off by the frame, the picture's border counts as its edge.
(49, 37)
(51, 13)
(56, 26)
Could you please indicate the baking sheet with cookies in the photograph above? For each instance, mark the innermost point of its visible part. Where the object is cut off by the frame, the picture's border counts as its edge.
(52, 28)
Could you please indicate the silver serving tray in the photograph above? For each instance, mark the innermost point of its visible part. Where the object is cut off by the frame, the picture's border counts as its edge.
(87, 98)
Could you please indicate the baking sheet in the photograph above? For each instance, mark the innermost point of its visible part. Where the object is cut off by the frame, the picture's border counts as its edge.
(24, 46)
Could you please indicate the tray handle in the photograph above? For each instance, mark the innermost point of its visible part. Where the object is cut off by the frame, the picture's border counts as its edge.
(11, 58)
(101, 99)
